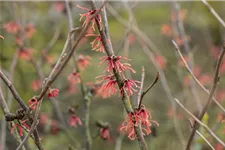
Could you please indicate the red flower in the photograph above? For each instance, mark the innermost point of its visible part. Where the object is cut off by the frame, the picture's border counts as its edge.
(205, 79)
(59, 6)
(128, 125)
(83, 61)
(74, 78)
(105, 134)
(180, 42)
(219, 146)
(97, 44)
(220, 95)
(20, 126)
(146, 120)
(53, 93)
(25, 54)
(144, 117)
(29, 30)
(35, 85)
(88, 15)
(43, 118)
(73, 120)
(54, 127)
(32, 103)
(109, 87)
(166, 30)
(12, 27)
(215, 51)
(160, 60)
(128, 86)
(114, 63)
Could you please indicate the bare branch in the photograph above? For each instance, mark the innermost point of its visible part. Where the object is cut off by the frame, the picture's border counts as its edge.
(146, 91)
(202, 124)
(213, 12)
(139, 99)
(194, 77)
(210, 98)
(205, 140)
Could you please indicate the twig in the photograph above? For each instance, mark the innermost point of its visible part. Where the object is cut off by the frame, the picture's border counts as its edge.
(209, 100)
(146, 91)
(194, 77)
(140, 93)
(202, 124)
(205, 140)
(187, 48)
(13, 90)
(213, 12)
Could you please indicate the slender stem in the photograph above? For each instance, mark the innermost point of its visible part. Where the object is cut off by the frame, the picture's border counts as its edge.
(202, 124)
(213, 12)
(205, 140)
(139, 99)
(195, 78)
(210, 98)
(13, 90)
(146, 91)
(187, 49)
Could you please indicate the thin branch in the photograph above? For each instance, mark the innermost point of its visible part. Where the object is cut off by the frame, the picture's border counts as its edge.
(140, 93)
(195, 78)
(146, 91)
(205, 140)
(202, 124)
(187, 49)
(213, 12)
(210, 98)
(13, 90)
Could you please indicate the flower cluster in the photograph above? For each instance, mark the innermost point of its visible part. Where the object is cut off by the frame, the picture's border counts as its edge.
(73, 119)
(53, 93)
(83, 61)
(133, 119)
(32, 103)
(20, 126)
(88, 16)
(108, 81)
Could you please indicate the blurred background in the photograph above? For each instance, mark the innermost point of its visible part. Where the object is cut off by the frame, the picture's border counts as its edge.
(34, 35)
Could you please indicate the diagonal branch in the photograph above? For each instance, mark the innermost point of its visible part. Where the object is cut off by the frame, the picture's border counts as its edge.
(196, 80)
(202, 124)
(213, 12)
(146, 91)
(210, 98)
